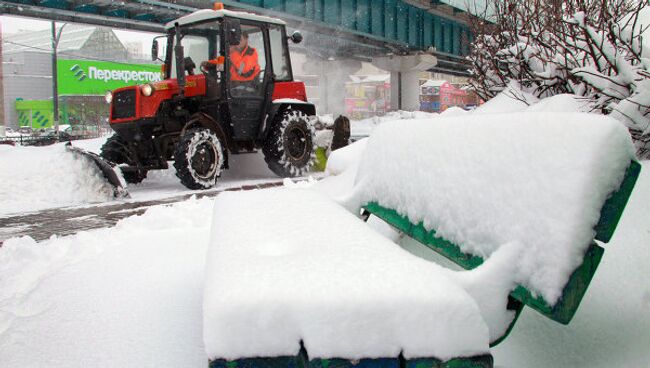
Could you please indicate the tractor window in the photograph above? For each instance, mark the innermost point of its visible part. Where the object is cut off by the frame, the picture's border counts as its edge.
(247, 62)
(195, 47)
(256, 41)
(279, 55)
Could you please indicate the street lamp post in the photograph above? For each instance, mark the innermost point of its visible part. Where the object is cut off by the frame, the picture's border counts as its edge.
(56, 36)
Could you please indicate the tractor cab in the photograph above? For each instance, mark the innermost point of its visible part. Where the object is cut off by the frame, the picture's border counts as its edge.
(241, 57)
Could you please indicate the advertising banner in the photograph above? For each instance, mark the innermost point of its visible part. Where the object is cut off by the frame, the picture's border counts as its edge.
(89, 77)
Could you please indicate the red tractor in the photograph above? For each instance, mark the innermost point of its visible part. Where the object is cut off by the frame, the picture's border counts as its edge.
(198, 116)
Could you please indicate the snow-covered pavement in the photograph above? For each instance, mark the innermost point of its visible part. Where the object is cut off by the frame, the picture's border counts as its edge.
(38, 178)
(42, 224)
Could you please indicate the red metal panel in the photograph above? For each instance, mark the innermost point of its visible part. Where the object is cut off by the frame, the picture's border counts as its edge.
(147, 107)
(295, 90)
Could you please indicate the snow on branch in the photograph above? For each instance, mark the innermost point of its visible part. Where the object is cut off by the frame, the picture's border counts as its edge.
(591, 48)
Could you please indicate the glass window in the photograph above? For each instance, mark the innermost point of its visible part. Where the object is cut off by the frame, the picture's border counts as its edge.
(279, 55)
(247, 63)
(195, 47)
(256, 43)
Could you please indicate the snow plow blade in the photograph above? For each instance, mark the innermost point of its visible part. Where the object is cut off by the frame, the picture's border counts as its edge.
(111, 172)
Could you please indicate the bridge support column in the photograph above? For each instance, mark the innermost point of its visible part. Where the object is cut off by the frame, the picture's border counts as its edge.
(404, 78)
(332, 77)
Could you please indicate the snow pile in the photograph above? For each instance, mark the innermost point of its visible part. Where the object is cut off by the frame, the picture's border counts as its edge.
(323, 138)
(44, 177)
(128, 296)
(563, 103)
(454, 111)
(346, 158)
(341, 167)
(363, 128)
(317, 274)
(512, 99)
(536, 180)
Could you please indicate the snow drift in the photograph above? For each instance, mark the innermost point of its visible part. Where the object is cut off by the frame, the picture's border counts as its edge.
(46, 177)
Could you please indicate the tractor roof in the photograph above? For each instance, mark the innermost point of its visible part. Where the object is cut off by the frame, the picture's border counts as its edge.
(206, 14)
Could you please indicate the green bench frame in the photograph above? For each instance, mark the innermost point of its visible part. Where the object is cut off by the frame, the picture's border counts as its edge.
(302, 361)
(564, 310)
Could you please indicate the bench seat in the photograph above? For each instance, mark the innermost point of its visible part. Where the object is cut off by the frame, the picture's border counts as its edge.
(333, 286)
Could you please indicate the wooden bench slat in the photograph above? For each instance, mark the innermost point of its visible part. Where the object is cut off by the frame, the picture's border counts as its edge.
(302, 361)
(565, 308)
(515, 306)
(572, 293)
(361, 363)
(276, 362)
(613, 208)
(422, 235)
(483, 361)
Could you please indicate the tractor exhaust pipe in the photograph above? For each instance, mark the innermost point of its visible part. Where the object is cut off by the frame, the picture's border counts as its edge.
(180, 62)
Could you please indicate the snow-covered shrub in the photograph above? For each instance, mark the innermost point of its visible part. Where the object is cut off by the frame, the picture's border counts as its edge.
(590, 48)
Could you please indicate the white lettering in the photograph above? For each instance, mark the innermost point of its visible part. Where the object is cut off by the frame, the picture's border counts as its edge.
(123, 75)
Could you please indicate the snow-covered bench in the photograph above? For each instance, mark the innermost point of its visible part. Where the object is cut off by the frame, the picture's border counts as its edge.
(295, 279)
(552, 183)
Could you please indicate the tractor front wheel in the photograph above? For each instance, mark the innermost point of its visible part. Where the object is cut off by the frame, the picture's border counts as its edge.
(289, 149)
(199, 158)
(116, 151)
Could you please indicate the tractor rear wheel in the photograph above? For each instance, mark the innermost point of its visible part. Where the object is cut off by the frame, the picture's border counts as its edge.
(116, 150)
(199, 158)
(289, 149)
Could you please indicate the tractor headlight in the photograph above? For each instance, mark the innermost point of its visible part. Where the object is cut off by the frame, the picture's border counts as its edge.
(147, 90)
(108, 97)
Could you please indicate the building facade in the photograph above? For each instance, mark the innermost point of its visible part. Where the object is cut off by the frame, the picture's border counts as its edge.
(27, 67)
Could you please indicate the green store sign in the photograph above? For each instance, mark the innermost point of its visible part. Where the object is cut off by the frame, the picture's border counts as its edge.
(84, 77)
(34, 113)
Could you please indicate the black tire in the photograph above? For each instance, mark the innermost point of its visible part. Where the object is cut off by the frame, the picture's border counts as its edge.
(199, 158)
(115, 150)
(289, 150)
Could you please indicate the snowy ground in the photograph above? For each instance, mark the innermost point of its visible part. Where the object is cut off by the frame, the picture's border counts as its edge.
(36, 178)
(131, 295)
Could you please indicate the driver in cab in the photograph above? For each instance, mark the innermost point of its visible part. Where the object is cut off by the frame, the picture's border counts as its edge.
(243, 61)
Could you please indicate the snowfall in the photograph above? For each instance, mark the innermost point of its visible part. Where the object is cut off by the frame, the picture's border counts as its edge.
(134, 295)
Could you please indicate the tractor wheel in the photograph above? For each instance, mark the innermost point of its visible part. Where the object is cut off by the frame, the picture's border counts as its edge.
(116, 150)
(289, 149)
(199, 158)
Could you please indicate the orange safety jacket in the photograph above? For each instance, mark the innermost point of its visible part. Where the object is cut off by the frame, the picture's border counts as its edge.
(243, 64)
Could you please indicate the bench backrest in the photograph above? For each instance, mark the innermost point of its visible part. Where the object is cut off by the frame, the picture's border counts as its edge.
(564, 308)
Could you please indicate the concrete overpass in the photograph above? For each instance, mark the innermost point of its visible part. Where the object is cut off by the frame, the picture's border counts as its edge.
(402, 37)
